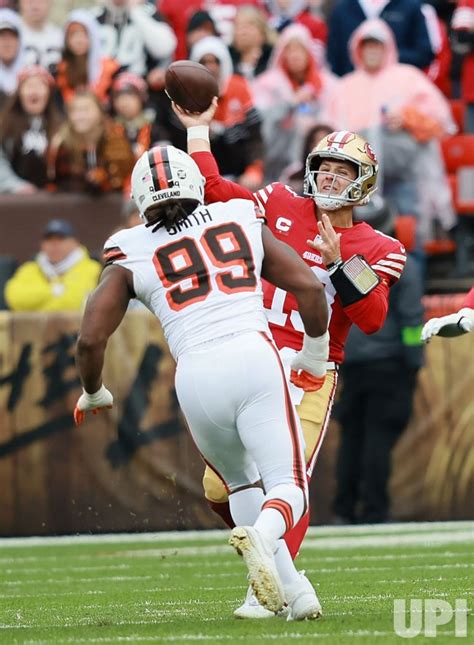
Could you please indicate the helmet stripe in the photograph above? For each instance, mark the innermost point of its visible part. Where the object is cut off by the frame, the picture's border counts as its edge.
(340, 138)
(155, 159)
(167, 166)
(153, 170)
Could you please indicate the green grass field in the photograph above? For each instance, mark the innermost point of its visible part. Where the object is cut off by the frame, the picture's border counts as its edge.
(182, 587)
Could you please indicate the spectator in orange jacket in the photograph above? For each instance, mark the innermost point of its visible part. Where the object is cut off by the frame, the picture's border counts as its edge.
(235, 134)
(82, 65)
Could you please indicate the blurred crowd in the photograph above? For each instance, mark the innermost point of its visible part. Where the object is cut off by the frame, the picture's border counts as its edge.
(80, 101)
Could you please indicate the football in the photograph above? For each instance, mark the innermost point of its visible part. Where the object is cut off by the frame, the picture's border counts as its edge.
(190, 85)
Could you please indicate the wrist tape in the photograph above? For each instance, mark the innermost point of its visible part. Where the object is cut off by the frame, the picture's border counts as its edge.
(198, 132)
(97, 397)
(316, 348)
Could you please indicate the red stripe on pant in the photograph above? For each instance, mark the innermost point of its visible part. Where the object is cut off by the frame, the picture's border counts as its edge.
(299, 470)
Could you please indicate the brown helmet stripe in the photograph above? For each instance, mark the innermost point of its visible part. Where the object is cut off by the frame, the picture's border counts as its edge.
(155, 159)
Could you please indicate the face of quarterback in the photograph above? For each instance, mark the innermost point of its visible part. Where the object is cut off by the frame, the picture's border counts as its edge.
(335, 175)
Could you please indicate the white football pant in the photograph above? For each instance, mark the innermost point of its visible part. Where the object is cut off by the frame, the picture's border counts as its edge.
(235, 398)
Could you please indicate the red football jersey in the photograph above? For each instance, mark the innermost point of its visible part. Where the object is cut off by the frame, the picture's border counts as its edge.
(293, 220)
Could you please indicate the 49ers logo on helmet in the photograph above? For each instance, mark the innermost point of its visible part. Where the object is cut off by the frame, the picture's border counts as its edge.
(370, 153)
(337, 140)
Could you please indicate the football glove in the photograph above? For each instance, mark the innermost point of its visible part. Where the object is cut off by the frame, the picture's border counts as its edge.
(92, 402)
(308, 368)
(451, 325)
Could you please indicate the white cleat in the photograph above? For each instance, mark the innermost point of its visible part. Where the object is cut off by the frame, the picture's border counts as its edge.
(302, 600)
(251, 608)
(257, 553)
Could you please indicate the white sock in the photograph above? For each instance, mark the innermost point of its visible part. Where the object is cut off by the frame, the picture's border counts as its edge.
(271, 523)
(285, 565)
(246, 505)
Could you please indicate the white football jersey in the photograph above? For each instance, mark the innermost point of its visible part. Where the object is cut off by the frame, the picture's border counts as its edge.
(201, 277)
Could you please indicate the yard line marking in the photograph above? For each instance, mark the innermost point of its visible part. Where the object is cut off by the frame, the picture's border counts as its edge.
(302, 557)
(72, 579)
(66, 568)
(320, 543)
(224, 637)
(433, 539)
(187, 536)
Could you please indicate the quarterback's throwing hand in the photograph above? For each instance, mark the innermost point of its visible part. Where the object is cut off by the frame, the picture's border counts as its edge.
(328, 242)
(93, 403)
(191, 119)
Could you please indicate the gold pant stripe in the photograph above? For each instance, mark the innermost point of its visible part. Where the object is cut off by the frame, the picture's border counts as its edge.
(314, 412)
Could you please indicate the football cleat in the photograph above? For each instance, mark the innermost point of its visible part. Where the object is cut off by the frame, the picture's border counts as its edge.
(257, 553)
(251, 608)
(302, 600)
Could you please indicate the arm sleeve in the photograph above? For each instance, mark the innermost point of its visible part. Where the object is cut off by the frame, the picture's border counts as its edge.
(218, 189)
(158, 36)
(370, 312)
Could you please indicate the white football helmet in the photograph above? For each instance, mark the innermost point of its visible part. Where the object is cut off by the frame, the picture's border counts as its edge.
(347, 146)
(162, 174)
